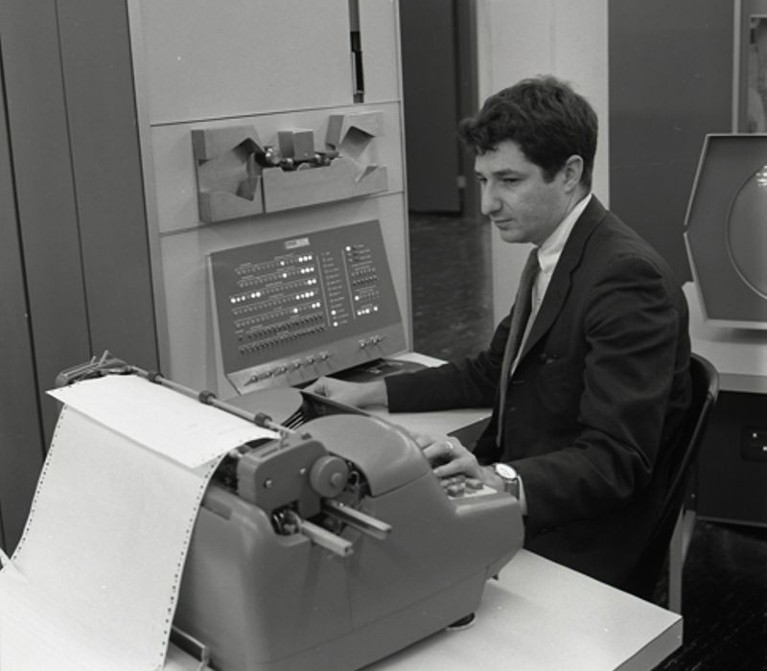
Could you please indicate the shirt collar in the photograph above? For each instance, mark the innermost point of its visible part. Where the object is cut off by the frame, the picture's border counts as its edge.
(551, 248)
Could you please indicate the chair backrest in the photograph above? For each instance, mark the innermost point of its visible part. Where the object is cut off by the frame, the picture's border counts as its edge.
(705, 389)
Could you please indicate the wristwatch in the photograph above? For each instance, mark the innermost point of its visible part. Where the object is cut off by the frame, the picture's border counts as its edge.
(510, 478)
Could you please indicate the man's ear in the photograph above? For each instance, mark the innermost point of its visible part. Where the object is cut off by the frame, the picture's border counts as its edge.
(573, 171)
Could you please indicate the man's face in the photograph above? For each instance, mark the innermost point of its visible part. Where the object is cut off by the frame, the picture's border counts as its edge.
(523, 206)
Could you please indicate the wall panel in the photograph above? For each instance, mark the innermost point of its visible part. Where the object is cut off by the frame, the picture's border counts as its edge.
(47, 206)
(671, 70)
(21, 447)
(523, 39)
(106, 165)
(431, 104)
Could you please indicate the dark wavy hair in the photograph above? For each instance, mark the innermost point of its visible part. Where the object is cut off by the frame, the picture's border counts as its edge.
(547, 120)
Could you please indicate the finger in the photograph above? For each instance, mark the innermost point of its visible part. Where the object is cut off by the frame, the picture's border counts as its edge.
(442, 450)
(455, 445)
(450, 469)
(424, 440)
(437, 449)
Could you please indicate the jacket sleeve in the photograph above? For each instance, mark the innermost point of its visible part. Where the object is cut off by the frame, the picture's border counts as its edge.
(471, 383)
(632, 325)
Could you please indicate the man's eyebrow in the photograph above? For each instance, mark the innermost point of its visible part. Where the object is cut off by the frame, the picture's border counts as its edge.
(503, 172)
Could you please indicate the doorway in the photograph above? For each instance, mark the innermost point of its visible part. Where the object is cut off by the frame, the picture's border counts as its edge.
(439, 72)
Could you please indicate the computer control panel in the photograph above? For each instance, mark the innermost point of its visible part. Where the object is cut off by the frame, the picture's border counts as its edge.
(291, 310)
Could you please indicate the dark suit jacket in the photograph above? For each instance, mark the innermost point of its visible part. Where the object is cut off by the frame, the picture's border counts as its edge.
(592, 408)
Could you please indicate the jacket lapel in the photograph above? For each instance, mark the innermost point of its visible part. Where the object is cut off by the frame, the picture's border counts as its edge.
(559, 286)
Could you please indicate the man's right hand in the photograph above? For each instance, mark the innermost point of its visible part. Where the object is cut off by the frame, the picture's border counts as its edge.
(357, 394)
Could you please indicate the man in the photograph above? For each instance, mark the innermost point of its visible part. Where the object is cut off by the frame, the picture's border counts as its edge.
(589, 391)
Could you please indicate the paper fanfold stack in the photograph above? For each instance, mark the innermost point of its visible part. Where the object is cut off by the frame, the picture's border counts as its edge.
(94, 580)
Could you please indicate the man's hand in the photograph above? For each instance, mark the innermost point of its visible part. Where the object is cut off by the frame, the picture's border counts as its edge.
(356, 394)
(449, 457)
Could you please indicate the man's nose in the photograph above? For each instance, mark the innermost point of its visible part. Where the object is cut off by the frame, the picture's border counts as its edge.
(489, 201)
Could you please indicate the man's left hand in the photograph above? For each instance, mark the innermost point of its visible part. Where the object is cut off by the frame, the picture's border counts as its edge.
(450, 458)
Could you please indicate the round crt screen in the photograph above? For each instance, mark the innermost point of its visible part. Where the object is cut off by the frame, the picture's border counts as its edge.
(747, 232)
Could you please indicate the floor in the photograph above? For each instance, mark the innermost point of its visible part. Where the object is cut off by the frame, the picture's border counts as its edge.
(724, 600)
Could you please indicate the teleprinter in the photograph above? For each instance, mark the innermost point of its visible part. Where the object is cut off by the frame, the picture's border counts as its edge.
(333, 545)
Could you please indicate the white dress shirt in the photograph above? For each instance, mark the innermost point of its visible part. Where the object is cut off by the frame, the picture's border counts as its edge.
(548, 257)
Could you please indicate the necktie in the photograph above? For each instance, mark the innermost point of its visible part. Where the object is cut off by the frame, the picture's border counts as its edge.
(519, 317)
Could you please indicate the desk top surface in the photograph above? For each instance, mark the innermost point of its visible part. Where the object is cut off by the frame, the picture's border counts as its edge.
(740, 355)
(543, 617)
(431, 422)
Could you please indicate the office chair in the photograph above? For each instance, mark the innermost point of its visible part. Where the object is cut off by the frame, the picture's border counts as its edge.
(672, 532)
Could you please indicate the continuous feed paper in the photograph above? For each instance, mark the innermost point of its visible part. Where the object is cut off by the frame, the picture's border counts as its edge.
(94, 580)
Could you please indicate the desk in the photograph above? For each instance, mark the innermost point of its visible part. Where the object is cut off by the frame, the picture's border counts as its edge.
(465, 423)
(540, 616)
(740, 355)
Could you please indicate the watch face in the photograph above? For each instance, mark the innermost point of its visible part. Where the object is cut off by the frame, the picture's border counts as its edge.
(505, 471)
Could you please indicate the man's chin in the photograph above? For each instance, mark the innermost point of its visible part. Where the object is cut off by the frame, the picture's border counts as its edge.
(511, 235)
